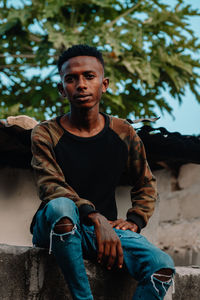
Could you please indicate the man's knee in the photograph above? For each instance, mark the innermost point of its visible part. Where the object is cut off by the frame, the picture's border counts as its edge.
(158, 261)
(164, 274)
(60, 208)
(164, 267)
(63, 226)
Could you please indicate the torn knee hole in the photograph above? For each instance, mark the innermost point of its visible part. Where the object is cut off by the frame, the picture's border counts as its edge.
(63, 226)
(164, 275)
(165, 278)
(60, 232)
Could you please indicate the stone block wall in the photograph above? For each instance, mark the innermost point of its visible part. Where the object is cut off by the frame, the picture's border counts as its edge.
(31, 274)
(174, 227)
(19, 201)
(179, 215)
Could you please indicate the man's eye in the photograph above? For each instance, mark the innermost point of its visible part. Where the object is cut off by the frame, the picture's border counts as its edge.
(69, 79)
(89, 76)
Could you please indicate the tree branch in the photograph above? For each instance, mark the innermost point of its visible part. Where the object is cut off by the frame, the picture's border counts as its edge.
(35, 38)
(24, 55)
(19, 55)
(123, 14)
(16, 66)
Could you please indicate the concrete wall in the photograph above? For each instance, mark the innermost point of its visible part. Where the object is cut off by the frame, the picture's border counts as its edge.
(178, 231)
(183, 203)
(174, 226)
(31, 274)
(19, 201)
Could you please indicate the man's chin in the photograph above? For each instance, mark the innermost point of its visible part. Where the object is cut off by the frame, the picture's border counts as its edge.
(85, 105)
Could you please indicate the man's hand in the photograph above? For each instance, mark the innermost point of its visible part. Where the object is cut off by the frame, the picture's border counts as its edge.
(124, 225)
(109, 245)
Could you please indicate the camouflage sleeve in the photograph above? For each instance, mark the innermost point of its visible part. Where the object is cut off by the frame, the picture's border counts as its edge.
(144, 191)
(49, 177)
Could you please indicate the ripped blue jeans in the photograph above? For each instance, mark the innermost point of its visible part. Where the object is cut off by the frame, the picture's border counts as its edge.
(142, 259)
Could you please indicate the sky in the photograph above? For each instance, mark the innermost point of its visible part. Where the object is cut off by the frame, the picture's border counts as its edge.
(186, 116)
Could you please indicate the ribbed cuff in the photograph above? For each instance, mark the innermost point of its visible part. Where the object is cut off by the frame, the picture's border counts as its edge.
(137, 219)
(84, 211)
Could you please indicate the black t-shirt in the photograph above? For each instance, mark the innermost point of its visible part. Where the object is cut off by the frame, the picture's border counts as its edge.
(92, 166)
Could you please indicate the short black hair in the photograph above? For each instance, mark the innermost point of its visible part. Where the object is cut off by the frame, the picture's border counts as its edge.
(79, 50)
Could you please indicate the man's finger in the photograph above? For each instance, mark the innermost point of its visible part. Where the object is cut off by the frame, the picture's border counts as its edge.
(116, 222)
(134, 228)
(112, 257)
(100, 252)
(127, 226)
(121, 224)
(120, 255)
(106, 250)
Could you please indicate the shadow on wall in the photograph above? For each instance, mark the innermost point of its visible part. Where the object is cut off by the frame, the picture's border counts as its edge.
(18, 201)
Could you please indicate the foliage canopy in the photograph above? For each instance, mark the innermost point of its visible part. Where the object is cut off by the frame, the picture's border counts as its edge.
(147, 45)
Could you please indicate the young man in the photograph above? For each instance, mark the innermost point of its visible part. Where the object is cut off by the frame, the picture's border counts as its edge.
(79, 158)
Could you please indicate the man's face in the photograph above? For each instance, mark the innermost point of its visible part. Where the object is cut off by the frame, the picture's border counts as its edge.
(82, 81)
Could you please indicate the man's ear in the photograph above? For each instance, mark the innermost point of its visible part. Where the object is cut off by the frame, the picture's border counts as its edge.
(105, 84)
(61, 90)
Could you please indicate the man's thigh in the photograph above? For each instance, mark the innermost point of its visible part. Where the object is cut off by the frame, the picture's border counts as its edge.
(141, 258)
(89, 242)
(130, 241)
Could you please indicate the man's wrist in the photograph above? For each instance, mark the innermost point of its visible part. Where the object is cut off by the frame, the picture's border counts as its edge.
(136, 228)
(84, 211)
(136, 219)
(94, 216)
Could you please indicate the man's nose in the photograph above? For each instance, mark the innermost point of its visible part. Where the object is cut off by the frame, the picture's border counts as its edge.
(81, 83)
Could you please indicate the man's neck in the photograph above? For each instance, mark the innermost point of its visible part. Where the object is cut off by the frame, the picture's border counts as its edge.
(84, 123)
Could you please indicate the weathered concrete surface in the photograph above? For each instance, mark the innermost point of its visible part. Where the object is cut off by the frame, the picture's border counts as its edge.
(19, 201)
(189, 174)
(180, 204)
(174, 226)
(31, 274)
(23, 121)
(181, 240)
(179, 223)
(187, 284)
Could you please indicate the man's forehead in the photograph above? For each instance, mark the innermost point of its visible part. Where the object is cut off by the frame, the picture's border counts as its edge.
(87, 63)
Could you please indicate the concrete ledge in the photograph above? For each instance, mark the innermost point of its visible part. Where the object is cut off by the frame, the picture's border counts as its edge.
(28, 273)
(187, 283)
(31, 274)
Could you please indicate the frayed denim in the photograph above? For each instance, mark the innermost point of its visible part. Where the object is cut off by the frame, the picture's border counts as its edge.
(141, 258)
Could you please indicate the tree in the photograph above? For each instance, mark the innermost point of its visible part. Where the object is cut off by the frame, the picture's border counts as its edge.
(148, 47)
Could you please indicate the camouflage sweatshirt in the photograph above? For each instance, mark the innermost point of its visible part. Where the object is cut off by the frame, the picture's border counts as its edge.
(87, 170)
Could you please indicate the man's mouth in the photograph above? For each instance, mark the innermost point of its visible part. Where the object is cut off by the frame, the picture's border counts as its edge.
(81, 96)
